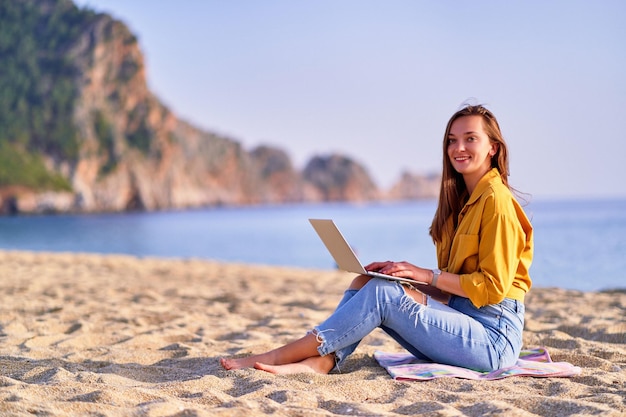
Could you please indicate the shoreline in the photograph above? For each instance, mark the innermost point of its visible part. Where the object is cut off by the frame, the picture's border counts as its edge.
(118, 335)
(156, 258)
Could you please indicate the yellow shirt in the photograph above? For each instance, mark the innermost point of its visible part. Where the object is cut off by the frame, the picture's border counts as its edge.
(492, 247)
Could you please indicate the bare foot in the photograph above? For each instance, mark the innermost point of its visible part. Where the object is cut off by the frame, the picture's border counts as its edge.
(230, 363)
(291, 353)
(316, 364)
(247, 362)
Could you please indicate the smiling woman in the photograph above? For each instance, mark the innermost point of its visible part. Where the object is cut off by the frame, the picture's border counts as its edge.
(470, 313)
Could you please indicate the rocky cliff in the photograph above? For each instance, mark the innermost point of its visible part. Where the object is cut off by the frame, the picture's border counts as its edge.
(133, 153)
(412, 186)
(338, 178)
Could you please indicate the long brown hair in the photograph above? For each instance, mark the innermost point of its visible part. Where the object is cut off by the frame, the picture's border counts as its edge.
(453, 193)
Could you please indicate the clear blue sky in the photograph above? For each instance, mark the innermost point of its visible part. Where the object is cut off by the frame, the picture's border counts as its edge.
(378, 80)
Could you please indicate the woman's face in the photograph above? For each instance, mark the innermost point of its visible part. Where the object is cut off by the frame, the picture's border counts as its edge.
(470, 149)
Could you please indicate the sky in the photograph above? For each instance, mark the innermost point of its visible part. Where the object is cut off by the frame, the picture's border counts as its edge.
(378, 80)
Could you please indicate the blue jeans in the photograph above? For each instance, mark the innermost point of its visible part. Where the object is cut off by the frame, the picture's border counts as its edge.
(483, 339)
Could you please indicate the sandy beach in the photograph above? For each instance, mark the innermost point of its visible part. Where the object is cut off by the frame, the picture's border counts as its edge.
(120, 336)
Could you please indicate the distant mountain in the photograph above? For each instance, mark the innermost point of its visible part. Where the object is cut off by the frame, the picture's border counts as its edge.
(80, 131)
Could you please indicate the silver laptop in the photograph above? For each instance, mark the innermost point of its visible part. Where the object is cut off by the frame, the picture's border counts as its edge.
(342, 252)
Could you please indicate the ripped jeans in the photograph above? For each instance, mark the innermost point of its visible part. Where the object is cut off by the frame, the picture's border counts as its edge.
(483, 339)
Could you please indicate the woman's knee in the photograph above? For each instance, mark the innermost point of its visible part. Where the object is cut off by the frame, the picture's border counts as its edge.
(359, 282)
(415, 294)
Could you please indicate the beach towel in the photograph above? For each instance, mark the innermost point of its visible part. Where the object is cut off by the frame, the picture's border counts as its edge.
(532, 362)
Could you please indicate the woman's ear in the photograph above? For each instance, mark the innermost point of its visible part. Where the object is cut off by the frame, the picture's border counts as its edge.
(494, 148)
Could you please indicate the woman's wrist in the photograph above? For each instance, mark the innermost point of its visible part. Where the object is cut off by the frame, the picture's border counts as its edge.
(436, 273)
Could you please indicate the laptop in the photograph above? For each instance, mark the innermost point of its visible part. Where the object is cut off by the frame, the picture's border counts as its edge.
(342, 252)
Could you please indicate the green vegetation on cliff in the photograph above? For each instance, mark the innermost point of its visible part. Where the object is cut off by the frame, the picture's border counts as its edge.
(37, 90)
(28, 170)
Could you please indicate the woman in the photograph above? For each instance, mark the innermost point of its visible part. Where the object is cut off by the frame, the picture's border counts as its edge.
(471, 314)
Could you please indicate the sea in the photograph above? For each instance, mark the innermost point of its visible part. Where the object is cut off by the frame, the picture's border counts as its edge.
(579, 244)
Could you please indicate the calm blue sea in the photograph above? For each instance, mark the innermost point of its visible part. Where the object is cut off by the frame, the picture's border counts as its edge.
(578, 244)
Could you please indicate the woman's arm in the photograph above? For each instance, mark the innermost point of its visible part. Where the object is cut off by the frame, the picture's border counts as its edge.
(449, 283)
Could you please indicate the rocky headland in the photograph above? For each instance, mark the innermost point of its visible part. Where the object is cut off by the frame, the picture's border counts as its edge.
(131, 152)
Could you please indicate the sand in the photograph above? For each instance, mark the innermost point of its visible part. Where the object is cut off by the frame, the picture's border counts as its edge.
(121, 336)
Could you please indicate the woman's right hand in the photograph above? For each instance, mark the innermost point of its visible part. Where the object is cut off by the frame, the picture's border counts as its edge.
(401, 269)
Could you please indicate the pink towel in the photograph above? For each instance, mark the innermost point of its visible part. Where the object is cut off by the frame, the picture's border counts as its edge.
(532, 362)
